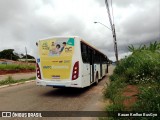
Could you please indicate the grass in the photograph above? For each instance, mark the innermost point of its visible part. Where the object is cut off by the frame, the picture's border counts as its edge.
(16, 67)
(10, 80)
(114, 88)
(141, 69)
(149, 99)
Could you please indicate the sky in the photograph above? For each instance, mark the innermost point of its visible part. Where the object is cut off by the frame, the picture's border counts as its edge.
(24, 22)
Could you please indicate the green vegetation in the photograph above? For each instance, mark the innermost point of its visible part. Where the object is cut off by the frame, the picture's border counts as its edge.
(141, 69)
(114, 89)
(10, 80)
(16, 67)
(152, 47)
(149, 98)
(9, 54)
(28, 57)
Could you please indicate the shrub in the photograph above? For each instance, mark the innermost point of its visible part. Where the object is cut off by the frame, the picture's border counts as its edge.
(115, 107)
(148, 99)
(141, 67)
(114, 88)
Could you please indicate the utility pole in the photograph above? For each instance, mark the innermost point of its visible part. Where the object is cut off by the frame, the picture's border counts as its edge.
(113, 31)
(115, 43)
(11, 56)
(26, 54)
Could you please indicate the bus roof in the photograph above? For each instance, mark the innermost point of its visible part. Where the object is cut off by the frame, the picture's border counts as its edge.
(75, 37)
(60, 37)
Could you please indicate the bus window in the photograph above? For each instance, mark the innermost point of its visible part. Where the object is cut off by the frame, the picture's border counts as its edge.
(97, 58)
(84, 52)
(90, 52)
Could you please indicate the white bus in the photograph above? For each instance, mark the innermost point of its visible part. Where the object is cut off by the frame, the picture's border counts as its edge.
(69, 62)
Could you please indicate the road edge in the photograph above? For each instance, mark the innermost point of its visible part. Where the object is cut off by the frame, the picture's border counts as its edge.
(14, 84)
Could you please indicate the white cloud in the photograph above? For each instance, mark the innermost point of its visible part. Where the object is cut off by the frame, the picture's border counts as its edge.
(23, 22)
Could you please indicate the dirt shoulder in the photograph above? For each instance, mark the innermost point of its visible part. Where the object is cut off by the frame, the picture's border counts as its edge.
(18, 76)
(4, 72)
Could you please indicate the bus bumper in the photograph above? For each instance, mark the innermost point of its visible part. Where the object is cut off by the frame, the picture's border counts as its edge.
(66, 83)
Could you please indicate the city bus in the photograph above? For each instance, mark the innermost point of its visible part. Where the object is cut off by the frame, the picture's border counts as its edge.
(69, 62)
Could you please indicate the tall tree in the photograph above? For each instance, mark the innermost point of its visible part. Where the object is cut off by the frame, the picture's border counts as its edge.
(9, 54)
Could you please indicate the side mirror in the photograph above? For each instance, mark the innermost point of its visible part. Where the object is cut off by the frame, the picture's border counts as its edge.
(36, 44)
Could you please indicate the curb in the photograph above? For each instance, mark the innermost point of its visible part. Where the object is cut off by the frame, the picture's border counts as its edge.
(14, 84)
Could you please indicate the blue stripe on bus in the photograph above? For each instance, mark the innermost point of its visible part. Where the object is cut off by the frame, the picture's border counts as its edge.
(56, 85)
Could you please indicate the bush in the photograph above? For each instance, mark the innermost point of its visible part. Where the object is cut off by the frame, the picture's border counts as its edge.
(115, 107)
(141, 67)
(114, 88)
(148, 99)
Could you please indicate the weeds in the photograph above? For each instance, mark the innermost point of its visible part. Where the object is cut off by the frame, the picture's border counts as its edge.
(16, 67)
(10, 80)
(152, 47)
(112, 90)
(149, 99)
(142, 68)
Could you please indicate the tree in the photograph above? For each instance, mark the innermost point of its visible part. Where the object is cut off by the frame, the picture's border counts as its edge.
(28, 57)
(152, 47)
(9, 54)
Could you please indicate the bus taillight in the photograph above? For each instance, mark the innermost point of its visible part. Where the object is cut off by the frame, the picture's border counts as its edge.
(75, 71)
(38, 72)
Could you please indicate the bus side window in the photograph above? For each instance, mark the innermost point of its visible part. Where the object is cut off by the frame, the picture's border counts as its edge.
(84, 52)
(104, 60)
(97, 58)
(90, 55)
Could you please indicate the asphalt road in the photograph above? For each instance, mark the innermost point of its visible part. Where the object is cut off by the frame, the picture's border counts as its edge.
(29, 97)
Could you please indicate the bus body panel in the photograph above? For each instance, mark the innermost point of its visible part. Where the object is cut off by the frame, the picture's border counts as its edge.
(57, 82)
(57, 70)
(55, 61)
(86, 75)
